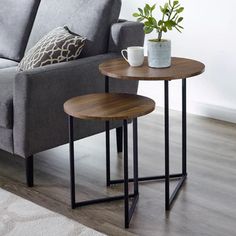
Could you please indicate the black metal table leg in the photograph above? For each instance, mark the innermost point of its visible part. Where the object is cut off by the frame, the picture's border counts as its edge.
(29, 166)
(106, 84)
(108, 165)
(107, 127)
(135, 154)
(167, 174)
(72, 168)
(126, 175)
(184, 129)
(135, 167)
(119, 139)
(130, 210)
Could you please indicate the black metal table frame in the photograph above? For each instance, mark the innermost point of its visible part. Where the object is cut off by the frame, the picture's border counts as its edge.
(181, 177)
(128, 211)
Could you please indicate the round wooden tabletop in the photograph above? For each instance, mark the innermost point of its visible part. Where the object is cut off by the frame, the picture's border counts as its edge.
(181, 68)
(109, 106)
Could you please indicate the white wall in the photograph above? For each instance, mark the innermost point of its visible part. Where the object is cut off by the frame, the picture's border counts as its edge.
(209, 36)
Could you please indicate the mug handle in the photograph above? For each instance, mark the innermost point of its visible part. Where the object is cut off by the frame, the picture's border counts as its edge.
(123, 55)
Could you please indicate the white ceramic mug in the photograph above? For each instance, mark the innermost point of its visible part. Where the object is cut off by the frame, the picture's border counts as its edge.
(135, 56)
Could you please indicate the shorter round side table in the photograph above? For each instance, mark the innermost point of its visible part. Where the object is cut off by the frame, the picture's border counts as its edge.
(108, 107)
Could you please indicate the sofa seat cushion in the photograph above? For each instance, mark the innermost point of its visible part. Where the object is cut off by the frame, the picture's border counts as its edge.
(4, 63)
(89, 18)
(16, 20)
(6, 96)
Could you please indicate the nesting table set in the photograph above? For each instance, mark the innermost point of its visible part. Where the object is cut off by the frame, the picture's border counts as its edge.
(116, 106)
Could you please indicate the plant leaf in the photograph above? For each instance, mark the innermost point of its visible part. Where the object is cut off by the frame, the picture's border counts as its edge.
(180, 19)
(175, 3)
(147, 30)
(179, 10)
(153, 7)
(164, 29)
(152, 21)
(141, 11)
(178, 29)
(166, 6)
(160, 22)
(140, 19)
(162, 9)
(170, 23)
(146, 10)
(148, 6)
(136, 14)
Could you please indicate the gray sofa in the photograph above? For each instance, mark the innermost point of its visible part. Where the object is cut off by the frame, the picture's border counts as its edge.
(31, 102)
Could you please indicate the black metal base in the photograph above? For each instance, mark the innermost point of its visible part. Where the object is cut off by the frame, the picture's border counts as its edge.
(176, 191)
(180, 177)
(102, 200)
(148, 178)
(169, 199)
(128, 210)
(29, 170)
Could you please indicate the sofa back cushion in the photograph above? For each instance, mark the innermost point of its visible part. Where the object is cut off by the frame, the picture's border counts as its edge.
(89, 18)
(16, 20)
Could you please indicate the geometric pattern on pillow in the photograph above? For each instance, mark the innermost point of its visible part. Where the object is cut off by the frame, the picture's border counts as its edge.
(59, 45)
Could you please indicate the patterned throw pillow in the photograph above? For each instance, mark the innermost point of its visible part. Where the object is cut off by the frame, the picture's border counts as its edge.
(59, 45)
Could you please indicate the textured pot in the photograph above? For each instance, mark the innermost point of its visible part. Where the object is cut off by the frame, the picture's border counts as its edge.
(159, 54)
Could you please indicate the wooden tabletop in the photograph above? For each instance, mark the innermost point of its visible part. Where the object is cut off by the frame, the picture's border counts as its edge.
(109, 106)
(181, 68)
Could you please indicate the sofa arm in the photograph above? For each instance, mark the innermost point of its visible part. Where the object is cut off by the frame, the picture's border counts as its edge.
(125, 34)
(39, 94)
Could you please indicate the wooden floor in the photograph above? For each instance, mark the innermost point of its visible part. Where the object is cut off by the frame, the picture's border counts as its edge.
(206, 205)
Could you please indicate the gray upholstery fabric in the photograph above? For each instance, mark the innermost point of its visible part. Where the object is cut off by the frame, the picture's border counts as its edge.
(39, 95)
(16, 20)
(125, 34)
(89, 18)
(6, 96)
(6, 139)
(4, 63)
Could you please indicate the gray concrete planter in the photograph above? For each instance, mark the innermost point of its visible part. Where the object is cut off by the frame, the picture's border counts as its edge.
(159, 53)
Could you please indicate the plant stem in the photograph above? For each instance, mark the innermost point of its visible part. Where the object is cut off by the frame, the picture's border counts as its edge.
(160, 32)
(159, 35)
(171, 11)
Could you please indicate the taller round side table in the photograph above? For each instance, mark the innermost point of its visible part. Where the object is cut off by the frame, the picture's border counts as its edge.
(181, 68)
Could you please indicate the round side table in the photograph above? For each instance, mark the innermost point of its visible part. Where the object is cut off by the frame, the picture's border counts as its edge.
(108, 107)
(181, 68)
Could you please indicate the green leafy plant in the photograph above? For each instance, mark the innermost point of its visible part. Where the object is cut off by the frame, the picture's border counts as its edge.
(169, 20)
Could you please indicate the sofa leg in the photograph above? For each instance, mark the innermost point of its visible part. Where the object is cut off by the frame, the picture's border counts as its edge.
(119, 139)
(29, 167)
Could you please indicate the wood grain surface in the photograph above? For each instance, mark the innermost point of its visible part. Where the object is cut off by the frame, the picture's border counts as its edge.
(181, 68)
(109, 106)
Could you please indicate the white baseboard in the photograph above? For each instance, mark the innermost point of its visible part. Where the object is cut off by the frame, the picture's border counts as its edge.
(212, 111)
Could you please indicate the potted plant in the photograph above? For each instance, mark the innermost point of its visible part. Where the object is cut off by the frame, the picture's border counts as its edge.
(159, 49)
